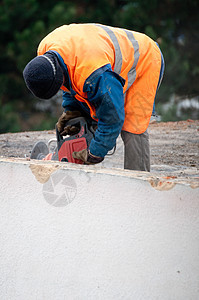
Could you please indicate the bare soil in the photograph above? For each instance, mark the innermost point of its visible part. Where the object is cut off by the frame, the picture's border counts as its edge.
(173, 144)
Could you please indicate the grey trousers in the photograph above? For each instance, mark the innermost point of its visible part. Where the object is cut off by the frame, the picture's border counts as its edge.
(136, 151)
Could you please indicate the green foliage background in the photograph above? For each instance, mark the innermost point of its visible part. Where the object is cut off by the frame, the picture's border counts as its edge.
(173, 23)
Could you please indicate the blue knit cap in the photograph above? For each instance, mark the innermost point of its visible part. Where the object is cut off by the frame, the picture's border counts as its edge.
(43, 75)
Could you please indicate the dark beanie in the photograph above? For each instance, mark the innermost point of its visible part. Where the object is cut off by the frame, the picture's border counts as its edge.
(43, 75)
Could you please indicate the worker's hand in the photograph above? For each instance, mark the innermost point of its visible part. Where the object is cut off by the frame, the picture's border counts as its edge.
(87, 157)
(69, 130)
(66, 116)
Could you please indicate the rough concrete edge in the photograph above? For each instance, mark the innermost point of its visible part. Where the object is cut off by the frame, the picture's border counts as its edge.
(43, 169)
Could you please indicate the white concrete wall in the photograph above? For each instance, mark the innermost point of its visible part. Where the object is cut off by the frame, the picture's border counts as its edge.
(96, 234)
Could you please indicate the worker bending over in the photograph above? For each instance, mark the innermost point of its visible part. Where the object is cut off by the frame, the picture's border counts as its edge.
(110, 74)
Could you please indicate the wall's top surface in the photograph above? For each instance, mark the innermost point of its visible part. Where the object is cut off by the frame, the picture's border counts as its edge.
(78, 232)
(158, 180)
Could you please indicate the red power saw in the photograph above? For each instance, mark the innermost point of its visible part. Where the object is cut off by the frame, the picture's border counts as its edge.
(77, 142)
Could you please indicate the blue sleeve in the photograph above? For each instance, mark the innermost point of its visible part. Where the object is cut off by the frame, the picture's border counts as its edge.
(105, 92)
(69, 102)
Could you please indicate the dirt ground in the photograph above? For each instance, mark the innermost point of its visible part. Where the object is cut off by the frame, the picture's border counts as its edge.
(174, 145)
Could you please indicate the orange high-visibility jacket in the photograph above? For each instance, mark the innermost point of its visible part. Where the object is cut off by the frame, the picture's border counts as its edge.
(134, 56)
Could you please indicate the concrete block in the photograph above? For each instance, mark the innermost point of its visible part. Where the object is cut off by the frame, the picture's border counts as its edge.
(79, 232)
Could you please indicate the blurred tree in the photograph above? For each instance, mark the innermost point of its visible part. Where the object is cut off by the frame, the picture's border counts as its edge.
(173, 23)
